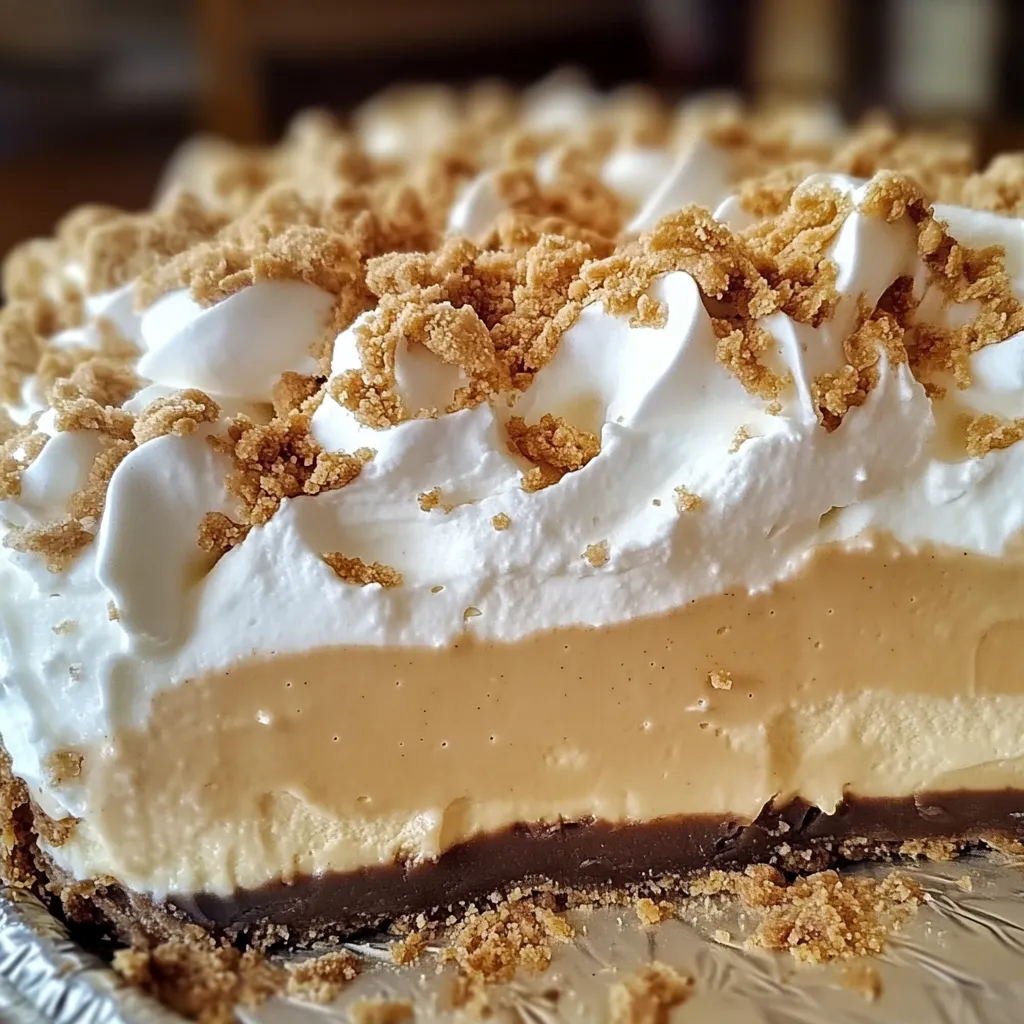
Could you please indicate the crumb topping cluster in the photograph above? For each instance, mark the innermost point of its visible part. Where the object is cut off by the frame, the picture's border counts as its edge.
(370, 230)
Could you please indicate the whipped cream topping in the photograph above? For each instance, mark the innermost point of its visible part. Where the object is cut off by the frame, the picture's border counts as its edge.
(668, 415)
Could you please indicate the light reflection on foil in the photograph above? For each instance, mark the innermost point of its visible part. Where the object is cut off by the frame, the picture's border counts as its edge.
(960, 960)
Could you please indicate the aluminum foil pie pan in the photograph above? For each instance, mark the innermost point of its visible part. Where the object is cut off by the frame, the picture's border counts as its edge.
(959, 960)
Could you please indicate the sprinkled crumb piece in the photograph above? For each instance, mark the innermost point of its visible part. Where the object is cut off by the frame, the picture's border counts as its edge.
(488, 947)
(58, 542)
(75, 671)
(651, 913)
(409, 949)
(931, 849)
(180, 413)
(62, 765)
(739, 348)
(656, 502)
(649, 996)
(687, 501)
(863, 978)
(989, 433)
(218, 534)
(120, 248)
(432, 499)
(198, 979)
(355, 570)
(381, 1011)
(1004, 844)
(320, 979)
(720, 679)
(65, 628)
(501, 522)
(555, 447)
(292, 391)
(722, 936)
(741, 436)
(113, 612)
(281, 459)
(597, 554)
(471, 613)
(964, 882)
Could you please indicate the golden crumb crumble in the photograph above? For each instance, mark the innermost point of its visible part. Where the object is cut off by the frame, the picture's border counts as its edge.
(63, 765)
(820, 917)
(66, 627)
(488, 946)
(720, 679)
(597, 554)
(878, 336)
(964, 274)
(58, 542)
(113, 612)
(381, 1011)
(25, 326)
(320, 979)
(180, 413)
(501, 522)
(118, 249)
(740, 438)
(987, 433)
(553, 445)
(17, 453)
(498, 315)
(293, 390)
(578, 202)
(689, 240)
(649, 995)
(650, 912)
(930, 849)
(740, 346)
(355, 570)
(433, 499)
(281, 459)
(218, 534)
(687, 501)
(199, 979)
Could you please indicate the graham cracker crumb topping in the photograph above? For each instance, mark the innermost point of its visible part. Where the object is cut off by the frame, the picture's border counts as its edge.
(355, 570)
(433, 499)
(281, 459)
(989, 433)
(218, 534)
(501, 522)
(687, 501)
(597, 554)
(649, 996)
(320, 979)
(555, 447)
(180, 414)
(198, 979)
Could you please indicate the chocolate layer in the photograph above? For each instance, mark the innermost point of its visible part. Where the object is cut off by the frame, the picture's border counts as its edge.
(585, 854)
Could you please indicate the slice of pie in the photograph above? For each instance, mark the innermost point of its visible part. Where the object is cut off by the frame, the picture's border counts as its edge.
(510, 487)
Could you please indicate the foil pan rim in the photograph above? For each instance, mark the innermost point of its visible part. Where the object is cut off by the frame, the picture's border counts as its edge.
(960, 960)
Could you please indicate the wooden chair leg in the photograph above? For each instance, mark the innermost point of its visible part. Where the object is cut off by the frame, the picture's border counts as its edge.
(231, 100)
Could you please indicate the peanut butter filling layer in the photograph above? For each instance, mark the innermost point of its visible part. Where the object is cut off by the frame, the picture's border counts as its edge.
(873, 671)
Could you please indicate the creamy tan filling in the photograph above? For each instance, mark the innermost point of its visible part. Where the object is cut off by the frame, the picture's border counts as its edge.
(873, 670)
